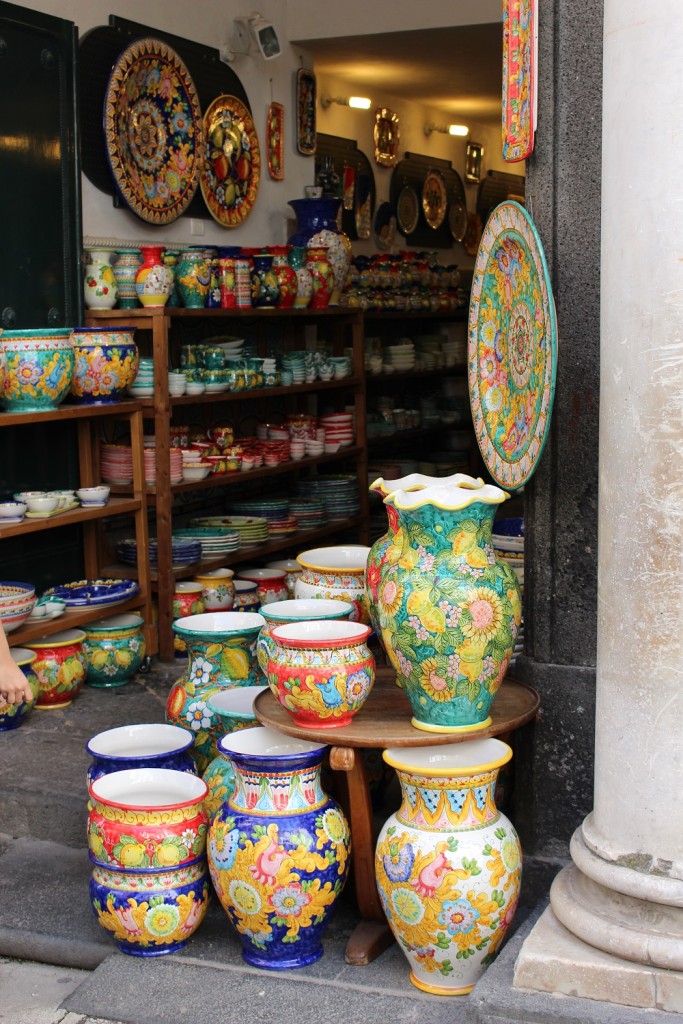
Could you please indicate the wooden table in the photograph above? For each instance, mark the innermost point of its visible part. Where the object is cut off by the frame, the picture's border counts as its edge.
(385, 722)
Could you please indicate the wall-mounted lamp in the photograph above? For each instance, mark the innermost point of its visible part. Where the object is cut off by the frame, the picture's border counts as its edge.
(447, 129)
(359, 102)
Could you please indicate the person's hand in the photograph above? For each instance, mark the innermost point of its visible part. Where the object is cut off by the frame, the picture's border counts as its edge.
(14, 685)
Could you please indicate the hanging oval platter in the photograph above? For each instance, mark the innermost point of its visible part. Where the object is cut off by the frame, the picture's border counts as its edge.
(457, 221)
(232, 170)
(153, 131)
(434, 199)
(511, 346)
(407, 210)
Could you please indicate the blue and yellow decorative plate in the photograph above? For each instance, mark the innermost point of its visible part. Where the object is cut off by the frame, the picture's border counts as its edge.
(512, 346)
(153, 131)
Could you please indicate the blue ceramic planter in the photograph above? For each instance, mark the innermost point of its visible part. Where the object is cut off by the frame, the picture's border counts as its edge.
(153, 745)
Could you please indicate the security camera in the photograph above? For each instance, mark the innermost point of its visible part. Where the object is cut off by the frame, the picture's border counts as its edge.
(265, 36)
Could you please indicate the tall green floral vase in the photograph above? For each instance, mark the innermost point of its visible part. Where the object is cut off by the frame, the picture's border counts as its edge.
(448, 609)
(221, 649)
(448, 864)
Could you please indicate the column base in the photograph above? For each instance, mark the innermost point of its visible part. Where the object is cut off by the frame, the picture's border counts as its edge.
(632, 929)
(553, 960)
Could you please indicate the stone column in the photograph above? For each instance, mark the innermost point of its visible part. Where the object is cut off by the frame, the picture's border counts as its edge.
(623, 893)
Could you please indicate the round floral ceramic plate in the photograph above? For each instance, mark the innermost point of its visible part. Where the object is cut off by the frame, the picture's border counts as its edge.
(407, 210)
(232, 169)
(153, 131)
(512, 346)
(434, 199)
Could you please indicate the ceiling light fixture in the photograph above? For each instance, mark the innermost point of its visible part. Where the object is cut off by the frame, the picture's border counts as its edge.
(447, 129)
(359, 102)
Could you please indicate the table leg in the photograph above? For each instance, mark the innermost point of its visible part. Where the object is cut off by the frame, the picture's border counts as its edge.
(372, 935)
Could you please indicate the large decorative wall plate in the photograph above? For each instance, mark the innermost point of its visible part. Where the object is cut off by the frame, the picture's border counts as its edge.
(512, 346)
(232, 170)
(275, 141)
(153, 131)
(386, 137)
(306, 124)
(519, 78)
(434, 199)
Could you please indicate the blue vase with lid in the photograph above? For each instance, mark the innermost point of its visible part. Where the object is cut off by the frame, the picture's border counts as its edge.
(316, 226)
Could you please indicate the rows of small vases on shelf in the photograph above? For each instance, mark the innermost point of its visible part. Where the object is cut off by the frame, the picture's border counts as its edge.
(309, 272)
(42, 368)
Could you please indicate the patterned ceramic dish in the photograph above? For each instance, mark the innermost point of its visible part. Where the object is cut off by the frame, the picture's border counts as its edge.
(81, 593)
(232, 169)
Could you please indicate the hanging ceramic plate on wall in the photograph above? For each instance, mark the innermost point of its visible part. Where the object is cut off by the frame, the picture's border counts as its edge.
(512, 346)
(153, 131)
(306, 124)
(457, 221)
(434, 199)
(232, 169)
(407, 210)
(386, 137)
(275, 141)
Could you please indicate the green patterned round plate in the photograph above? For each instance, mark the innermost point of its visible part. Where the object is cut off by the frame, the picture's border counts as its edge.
(153, 131)
(511, 346)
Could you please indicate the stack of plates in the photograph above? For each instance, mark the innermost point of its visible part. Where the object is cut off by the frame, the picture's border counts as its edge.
(116, 463)
(176, 458)
(253, 530)
(183, 552)
(275, 509)
(295, 363)
(339, 492)
(214, 540)
(143, 385)
(231, 346)
(401, 357)
(311, 514)
(338, 428)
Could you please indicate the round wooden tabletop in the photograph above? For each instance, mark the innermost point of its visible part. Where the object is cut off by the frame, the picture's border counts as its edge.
(385, 719)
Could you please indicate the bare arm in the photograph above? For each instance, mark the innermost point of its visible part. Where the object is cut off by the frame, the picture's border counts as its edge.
(14, 686)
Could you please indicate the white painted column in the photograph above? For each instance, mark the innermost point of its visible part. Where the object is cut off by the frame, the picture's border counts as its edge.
(623, 894)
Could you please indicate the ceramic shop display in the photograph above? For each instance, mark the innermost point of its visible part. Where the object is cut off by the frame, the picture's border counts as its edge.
(147, 841)
(221, 649)
(231, 172)
(322, 276)
(145, 745)
(218, 589)
(448, 609)
(448, 863)
(283, 613)
(193, 277)
(100, 290)
(335, 573)
(60, 667)
(278, 849)
(378, 551)
(154, 281)
(286, 276)
(234, 710)
(511, 346)
(125, 268)
(12, 715)
(105, 364)
(114, 648)
(265, 286)
(316, 226)
(271, 583)
(153, 131)
(39, 368)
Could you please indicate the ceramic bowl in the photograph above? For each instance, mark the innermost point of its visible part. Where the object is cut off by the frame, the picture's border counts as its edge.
(337, 573)
(321, 671)
(12, 509)
(154, 745)
(98, 494)
(196, 470)
(60, 667)
(47, 503)
(39, 370)
(106, 364)
(115, 649)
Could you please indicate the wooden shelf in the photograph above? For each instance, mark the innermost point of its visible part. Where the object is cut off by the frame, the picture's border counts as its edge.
(114, 507)
(75, 618)
(388, 378)
(68, 412)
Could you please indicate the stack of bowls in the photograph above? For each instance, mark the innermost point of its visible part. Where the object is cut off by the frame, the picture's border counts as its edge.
(143, 385)
(16, 604)
(177, 383)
